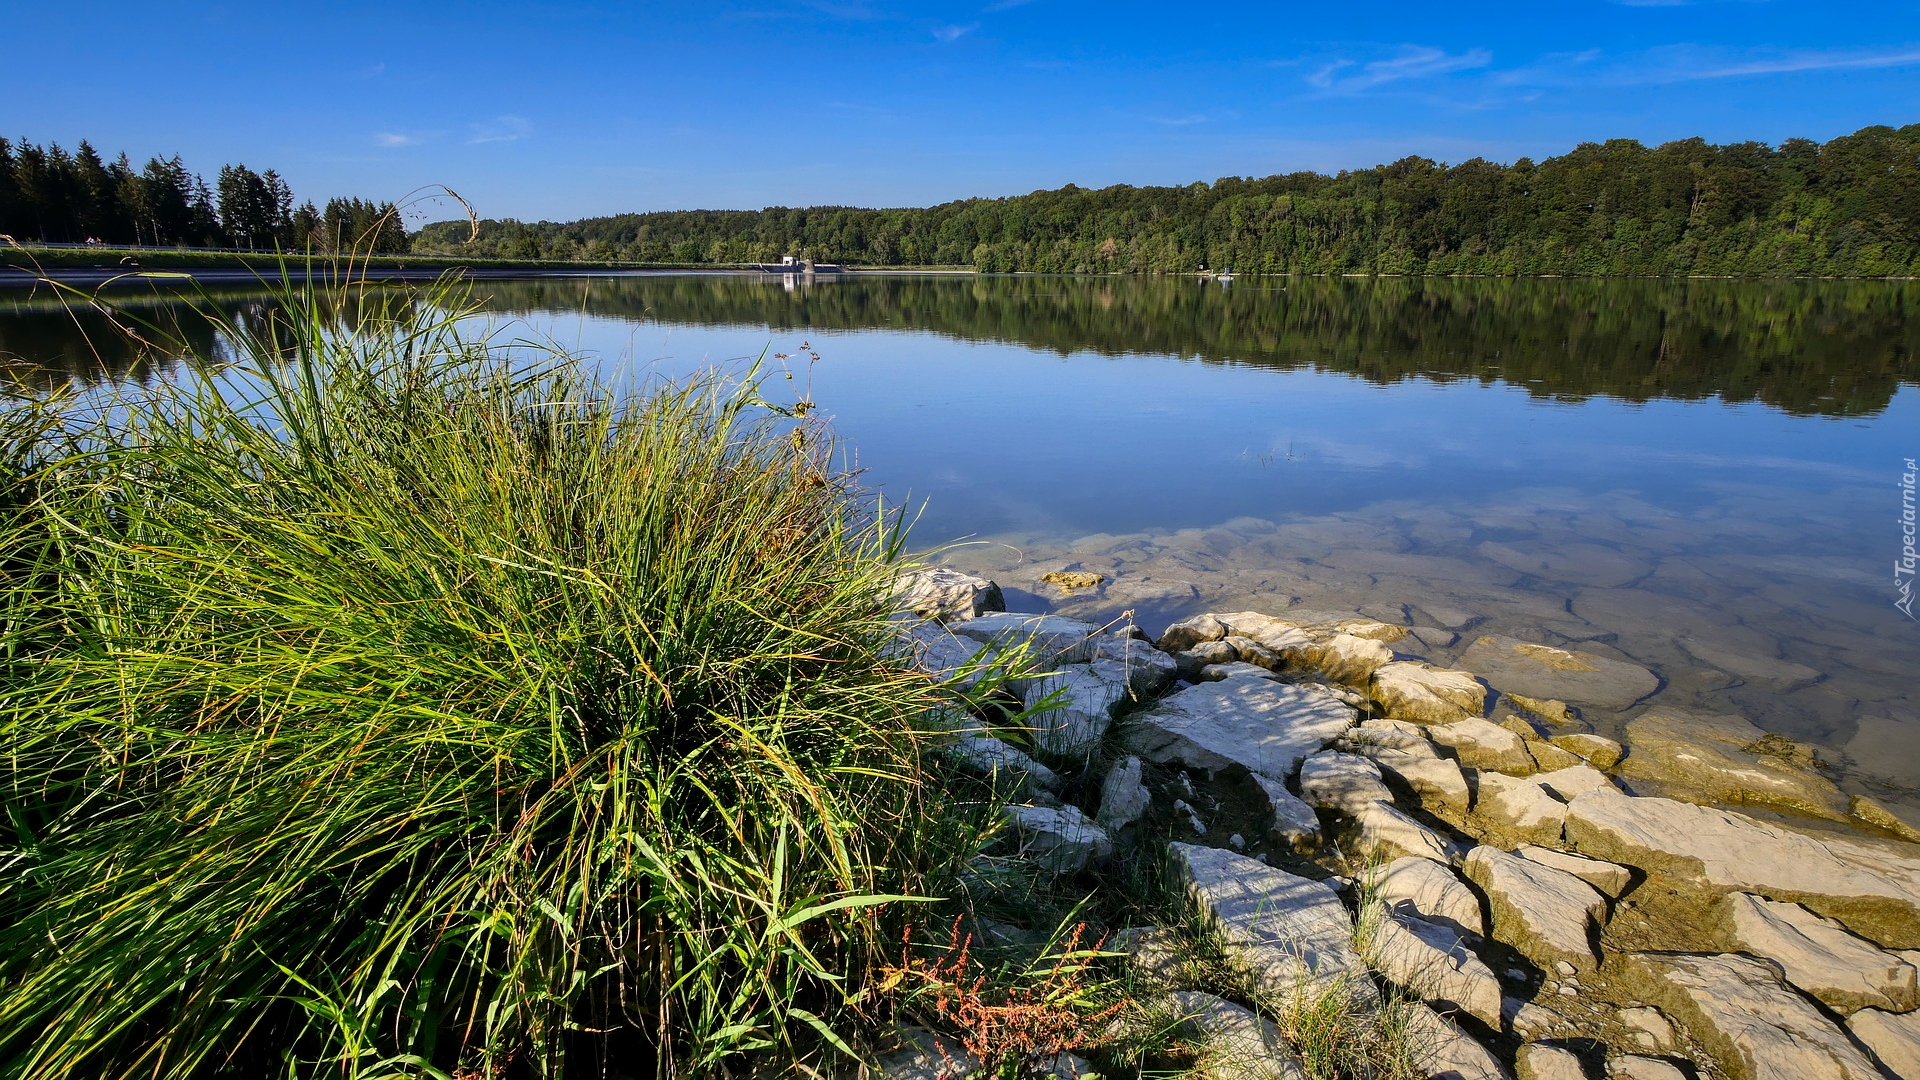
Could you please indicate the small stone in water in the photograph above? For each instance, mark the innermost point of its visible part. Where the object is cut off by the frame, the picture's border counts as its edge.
(1073, 579)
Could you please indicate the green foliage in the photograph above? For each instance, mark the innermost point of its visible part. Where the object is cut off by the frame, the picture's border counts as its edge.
(49, 195)
(1850, 207)
(391, 705)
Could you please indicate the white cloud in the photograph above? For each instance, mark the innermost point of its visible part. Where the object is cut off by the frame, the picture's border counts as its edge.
(394, 138)
(501, 129)
(1414, 62)
(954, 33)
(1690, 63)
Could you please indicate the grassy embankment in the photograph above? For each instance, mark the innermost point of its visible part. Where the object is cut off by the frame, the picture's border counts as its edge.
(388, 705)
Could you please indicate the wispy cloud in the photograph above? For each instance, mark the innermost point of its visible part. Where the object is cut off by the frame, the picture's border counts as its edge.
(1692, 63)
(1344, 76)
(1003, 5)
(501, 129)
(954, 33)
(1178, 121)
(394, 138)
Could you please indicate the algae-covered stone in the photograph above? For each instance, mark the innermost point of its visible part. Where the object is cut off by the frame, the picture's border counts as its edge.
(1820, 958)
(1547, 915)
(1542, 671)
(1518, 809)
(1598, 750)
(1724, 759)
(1753, 1025)
(1480, 744)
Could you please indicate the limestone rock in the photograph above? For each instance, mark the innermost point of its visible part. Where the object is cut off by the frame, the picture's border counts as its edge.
(1235, 670)
(1291, 934)
(1821, 958)
(1084, 698)
(1058, 838)
(1210, 654)
(1149, 670)
(1639, 1067)
(1542, 671)
(1429, 890)
(1548, 711)
(1550, 758)
(1611, 879)
(1575, 780)
(1547, 915)
(1049, 640)
(1265, 727)
(1431, 962)
(946, 595)
(1871, 888)
(1521, 809)
(1598, 750)
(1445, 1052)
(990, 756)
(1538, 1061)
(1871, 814)
(1649, 1028)
(1241, 1043)
(1294, 822)
(1724, 759)
(1435, 782)
(1385, 832)
(1349, 659)
(1893, 1038)
(1252, 652)
(1343, 782)
(1123, 797)
(949, 658)
(1410, 690)
(1751, 1023)
(1371, 738)
(1483, 745)
(1187, 633)
(1781, 675)
(1155, 952)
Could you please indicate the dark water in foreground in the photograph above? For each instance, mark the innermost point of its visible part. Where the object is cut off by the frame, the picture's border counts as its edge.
(1702, 477)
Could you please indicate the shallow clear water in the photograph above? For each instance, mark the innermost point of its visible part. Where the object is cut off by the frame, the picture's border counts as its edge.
(1700, 477)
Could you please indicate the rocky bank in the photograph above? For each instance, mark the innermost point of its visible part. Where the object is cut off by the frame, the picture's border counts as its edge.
(1696, 900)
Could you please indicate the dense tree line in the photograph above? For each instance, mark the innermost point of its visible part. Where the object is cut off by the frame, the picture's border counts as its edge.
(53, 196)
(1850, 206)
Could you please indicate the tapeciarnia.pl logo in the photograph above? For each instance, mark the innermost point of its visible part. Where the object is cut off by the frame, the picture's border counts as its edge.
(1903, 567)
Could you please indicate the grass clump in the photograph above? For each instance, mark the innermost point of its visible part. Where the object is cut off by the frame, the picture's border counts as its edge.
(391, 706)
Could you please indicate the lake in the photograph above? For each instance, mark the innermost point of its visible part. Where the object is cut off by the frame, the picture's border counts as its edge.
(1701, 477)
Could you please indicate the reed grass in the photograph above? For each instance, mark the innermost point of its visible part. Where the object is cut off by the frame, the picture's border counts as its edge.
(385, 703)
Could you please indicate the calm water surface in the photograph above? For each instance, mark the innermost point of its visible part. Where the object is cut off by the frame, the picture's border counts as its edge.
(1700, 477)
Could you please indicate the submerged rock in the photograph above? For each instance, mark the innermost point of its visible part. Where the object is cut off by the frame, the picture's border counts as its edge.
(1724, 759)
(1542, 671)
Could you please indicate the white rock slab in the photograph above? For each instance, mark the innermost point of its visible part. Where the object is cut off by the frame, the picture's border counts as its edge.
(1123, 796)
(1059, 838)
(1873, 889)
(1265, 727)
(1754, 1025)
(1343, 782)
(1386, 832)
(1431, 962)
(990, 756)
(1083, 699)
(1436, 782)
(1294, 822)
(1481, 744)
(1148, 669)
(1240, 1042)
(1572, 782)
(1538, 1061)
(1820, 958)
(1291, 934)
(1611, 879)
(1894, 1038)
(1445, 1052)
(1548, 915)
(1640, 1067)
(1410, 690)
(1431, 891)
(1049, 639)
(947, 595)
(1520, 808)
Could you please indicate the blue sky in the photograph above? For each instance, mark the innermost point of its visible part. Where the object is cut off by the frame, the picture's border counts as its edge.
(561, 110)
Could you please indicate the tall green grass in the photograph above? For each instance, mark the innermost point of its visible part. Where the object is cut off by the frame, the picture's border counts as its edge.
(381, 704)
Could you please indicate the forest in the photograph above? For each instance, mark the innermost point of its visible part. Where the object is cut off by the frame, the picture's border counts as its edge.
(50, 195)
(1846, 207)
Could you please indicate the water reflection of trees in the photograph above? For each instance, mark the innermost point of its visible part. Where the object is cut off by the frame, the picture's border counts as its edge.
(1823, 348)
(47, 342)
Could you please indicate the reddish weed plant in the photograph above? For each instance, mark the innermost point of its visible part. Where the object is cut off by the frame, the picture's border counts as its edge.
(1013, 1023)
